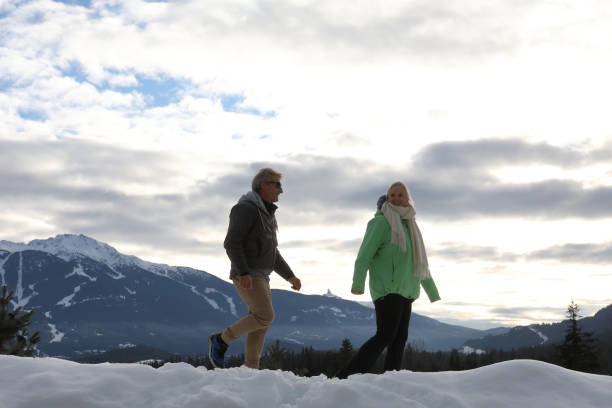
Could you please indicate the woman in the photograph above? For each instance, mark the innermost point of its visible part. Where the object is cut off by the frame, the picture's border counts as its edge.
(394, 253)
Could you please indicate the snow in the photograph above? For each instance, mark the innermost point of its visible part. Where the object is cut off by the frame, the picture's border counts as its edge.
(330, 294)
(210, 301)
(2, 271)
(56, 335)
(69, 247)
(335, 311)
(56, 383)
(232, 305)
(126, 345)
(67, 301)
(21, 301)
(117, 275)
(367, 303)
(229, 299)
(13, 246)
(79, 271)
(539, 333)
(470, 350)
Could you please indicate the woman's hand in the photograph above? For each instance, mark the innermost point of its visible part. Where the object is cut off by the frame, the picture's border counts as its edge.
(356, 292)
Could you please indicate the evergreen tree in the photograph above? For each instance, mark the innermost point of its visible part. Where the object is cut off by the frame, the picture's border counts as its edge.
(577, 352)
(274, 357)
(14, 337)
(346, 350)
(347, 346)
(454, 363)
(338, 359)
(471, 361)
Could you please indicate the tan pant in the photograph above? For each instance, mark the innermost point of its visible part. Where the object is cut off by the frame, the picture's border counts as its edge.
(255, 325)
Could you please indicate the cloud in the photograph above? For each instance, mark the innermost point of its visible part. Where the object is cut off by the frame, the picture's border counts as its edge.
(570, 253)
(588, 253)
(487, 153)
(85, 164)
(106, 192)
(338, 190)
(143, 122)
(521, 312)
(281, 42)
(342, 30)
(445, 185)
(331, 245)
(553, 199)
(348, 140)
(318, 76)
(353, 28)
(147, 196)
(458, 252)
(456, 179)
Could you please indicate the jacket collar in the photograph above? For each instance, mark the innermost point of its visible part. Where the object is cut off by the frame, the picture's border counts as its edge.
(256, 199)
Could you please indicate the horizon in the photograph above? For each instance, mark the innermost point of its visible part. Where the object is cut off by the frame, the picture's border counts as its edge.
(141, 123)
(476, 324)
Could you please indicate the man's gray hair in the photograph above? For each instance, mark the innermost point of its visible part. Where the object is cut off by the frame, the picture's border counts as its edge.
(262, 176)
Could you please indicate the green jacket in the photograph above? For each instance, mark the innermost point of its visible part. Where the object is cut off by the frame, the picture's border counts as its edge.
(391, 270)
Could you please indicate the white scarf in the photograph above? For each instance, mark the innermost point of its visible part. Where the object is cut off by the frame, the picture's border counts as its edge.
(394, 215)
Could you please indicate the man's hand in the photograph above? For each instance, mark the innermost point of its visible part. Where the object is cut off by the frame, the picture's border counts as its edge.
(356, 292)
(296, 284)
(246, 282)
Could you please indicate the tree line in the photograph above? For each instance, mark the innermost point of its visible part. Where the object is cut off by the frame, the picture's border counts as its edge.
(579, 350)
(310, 362)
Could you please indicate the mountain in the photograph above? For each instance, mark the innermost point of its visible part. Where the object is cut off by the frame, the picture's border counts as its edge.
(129, 353)
(90, 298)
(541, 334)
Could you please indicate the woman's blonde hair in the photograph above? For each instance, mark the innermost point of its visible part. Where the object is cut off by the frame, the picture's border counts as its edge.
(395, 184)
(401, 184)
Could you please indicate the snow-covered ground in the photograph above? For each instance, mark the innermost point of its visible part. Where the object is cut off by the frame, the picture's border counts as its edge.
(55, 383)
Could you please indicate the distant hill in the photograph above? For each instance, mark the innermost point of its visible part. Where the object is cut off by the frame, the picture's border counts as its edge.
(541, 334)
(90, 298)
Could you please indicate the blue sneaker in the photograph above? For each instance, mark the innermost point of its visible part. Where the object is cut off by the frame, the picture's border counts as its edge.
(216, 350)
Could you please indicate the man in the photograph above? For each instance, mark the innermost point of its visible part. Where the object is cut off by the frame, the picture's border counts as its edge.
(251, 246)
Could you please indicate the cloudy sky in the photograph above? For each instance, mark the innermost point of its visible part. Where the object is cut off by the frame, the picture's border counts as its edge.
(140, 123)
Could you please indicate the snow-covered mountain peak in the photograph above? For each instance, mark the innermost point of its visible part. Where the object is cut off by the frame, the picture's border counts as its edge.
(12, 246)
(330, 294)
(71, 246)
(68, 246)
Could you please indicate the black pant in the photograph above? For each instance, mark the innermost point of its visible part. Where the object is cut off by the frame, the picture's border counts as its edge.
(392, 320)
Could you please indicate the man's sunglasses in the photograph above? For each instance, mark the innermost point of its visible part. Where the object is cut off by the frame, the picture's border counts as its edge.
(277, 184)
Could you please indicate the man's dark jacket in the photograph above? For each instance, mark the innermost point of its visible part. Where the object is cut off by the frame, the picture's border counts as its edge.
(251, 243)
